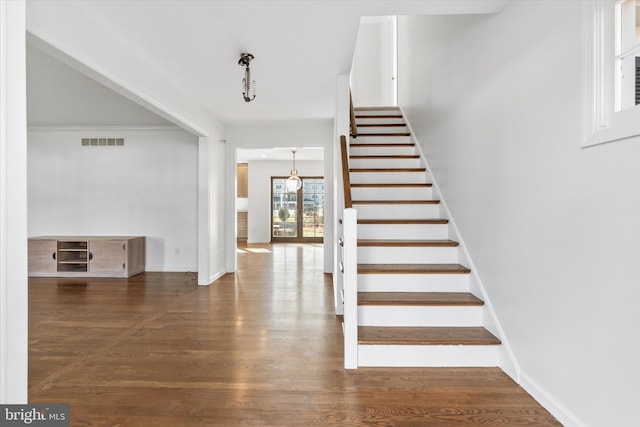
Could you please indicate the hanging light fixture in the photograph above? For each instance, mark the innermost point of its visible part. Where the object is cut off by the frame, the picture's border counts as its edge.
(248, 85)
(294, 182)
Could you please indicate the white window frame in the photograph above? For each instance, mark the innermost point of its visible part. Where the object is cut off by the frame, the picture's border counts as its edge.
(601, 123)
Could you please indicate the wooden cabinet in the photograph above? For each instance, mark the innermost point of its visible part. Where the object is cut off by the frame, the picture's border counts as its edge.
(242, 226)
(91, 256)
(42, 256)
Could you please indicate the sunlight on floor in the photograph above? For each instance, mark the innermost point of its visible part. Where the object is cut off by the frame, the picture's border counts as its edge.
(253, 250)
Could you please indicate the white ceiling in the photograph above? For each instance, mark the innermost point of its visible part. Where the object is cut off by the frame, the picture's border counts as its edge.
(190, 49)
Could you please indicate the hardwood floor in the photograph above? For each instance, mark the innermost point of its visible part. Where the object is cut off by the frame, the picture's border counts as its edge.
(260, 347)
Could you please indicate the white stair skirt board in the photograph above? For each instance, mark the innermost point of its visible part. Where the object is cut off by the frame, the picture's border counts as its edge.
(379, 120)
(373, 211)
(403, 231)
(407, 255)
(382, 129)
(354, 150)
(364, 139)
(428, 355)
(402, 315)
(389, 177)
(385, 163)
(391, 193)
(413, 282)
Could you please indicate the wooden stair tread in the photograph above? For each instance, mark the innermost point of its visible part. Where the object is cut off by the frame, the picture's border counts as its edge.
(379, 108)
(387, 170)
(369, 145)
(396, 156)
(380, 125)
(419, 298)
(404, 221)
(386, 185)
(384, 134)
(395, 202)
(378, 116)
(407, 243)
(412, 269)
(426, 336)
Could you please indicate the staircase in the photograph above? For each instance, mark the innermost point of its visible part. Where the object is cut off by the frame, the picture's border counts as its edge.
(414, 302)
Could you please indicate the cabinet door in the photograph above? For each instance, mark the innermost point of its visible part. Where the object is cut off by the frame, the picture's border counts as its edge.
(42, 256)
(107, 256)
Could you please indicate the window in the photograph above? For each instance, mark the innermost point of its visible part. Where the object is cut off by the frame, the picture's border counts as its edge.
(627, 50)
(611, 111)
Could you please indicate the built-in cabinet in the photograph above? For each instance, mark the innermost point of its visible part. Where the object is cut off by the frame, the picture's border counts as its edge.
(91, 256)
(242, 226)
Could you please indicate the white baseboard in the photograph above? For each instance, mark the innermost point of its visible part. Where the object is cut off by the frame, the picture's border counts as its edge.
(550, 403)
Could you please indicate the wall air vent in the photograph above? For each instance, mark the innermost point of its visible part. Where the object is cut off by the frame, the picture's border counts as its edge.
(102, 142)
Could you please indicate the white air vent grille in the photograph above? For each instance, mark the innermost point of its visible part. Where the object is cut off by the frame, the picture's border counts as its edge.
(102, 142)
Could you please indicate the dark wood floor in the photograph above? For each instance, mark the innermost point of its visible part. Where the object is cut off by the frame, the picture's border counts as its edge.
(260, 347)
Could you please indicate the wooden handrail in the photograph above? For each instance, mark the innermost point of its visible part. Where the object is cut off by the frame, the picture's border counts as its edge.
(346, 180)
(352, 117)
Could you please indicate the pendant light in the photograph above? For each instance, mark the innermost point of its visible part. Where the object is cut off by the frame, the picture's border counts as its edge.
(248, 85)
(294, 182)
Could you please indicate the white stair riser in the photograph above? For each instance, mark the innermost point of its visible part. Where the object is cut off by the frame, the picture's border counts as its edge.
(385, 163)
(378, 120)
(391, 193)
(369, 315)
(382, 151)
(407, 255)
(428, 355)
(403, 231)
(389, 177)
(376, 111)
(397, 211)
(363, 139)
(382, 129)
(413, 282)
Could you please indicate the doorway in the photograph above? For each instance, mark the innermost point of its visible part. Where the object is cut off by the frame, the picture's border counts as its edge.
(297, 216)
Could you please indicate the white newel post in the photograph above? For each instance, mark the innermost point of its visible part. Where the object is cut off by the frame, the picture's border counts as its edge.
(350, 272)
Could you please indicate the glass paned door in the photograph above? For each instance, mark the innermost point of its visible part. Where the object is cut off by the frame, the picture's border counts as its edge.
(313, 207)
(297, 216)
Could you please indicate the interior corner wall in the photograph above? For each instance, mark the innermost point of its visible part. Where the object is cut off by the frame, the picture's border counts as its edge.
(553, 229)
(148, 187)
(260, 173)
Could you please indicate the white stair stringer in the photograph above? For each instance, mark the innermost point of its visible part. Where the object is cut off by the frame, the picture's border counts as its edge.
(404, 252)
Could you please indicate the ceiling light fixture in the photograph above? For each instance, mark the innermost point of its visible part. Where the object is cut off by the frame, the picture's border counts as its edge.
(294, 182)
(248, 85)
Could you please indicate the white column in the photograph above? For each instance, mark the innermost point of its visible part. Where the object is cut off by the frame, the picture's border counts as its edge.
(13, 205)
(204, 212)
(350, 264)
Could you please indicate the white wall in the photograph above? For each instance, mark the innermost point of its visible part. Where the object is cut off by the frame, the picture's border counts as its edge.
(149, 188)
(553, 229)
(260, 173)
